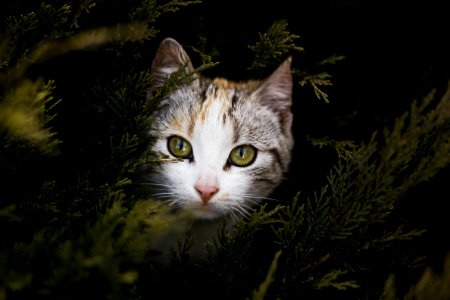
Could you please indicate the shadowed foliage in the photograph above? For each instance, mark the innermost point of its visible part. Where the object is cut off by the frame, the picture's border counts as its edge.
(365, 194)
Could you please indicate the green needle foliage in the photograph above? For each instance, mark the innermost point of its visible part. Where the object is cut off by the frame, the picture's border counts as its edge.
(25, 112)
(274, 45)
(353, 210)
(75, 221)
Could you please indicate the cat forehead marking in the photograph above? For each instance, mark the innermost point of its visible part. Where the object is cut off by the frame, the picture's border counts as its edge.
(217, 99)
(176, 123)
(229, 84)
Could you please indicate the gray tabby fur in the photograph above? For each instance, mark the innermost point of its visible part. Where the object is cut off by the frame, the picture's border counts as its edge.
(216, 115)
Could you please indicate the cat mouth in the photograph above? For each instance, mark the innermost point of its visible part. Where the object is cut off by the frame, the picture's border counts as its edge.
(207, 207)
(204, 211)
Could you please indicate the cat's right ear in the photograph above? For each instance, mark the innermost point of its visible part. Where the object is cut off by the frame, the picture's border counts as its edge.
(169, 58)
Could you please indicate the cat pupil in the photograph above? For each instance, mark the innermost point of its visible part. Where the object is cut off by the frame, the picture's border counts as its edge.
(241, 152)
(180, 144)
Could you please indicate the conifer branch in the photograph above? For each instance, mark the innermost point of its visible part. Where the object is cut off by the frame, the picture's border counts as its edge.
(317, 81)
(363, 189)
(82, 40)
(25, 112)
(331, 280)
(260, 293)
(273, 45)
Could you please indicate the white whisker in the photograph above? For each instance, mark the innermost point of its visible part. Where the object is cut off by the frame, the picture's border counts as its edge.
(164, 194)
(235, 210)
(259, 197)
(251, 201)
(234, 217)
(246, 206)
(157, 184)
(250, 197)
(241, 209)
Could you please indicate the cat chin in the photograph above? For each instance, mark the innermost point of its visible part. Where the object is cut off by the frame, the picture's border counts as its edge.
(206, 215)
(203, 212)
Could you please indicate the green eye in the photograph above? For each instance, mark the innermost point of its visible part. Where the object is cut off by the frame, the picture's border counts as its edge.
(242, 156)
(179, 147)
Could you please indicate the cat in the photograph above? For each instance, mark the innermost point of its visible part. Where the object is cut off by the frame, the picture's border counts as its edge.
(225, 146)
(229, 143)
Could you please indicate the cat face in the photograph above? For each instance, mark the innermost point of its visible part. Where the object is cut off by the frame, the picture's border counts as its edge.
(225, 145)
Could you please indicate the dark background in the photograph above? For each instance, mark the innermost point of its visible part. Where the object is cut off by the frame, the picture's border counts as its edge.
(395, 52)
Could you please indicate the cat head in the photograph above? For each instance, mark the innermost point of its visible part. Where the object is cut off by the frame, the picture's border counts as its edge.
(225, 145)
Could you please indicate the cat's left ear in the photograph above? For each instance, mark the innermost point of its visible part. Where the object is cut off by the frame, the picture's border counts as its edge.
(169, 58)
(276, 93)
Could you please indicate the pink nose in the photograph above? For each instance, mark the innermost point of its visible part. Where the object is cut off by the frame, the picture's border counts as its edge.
(206, 192)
